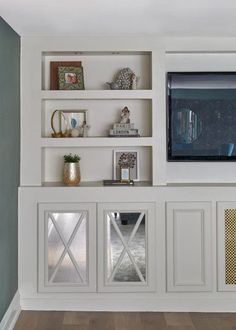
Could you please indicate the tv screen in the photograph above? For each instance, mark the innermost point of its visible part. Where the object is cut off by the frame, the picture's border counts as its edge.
(201, 116)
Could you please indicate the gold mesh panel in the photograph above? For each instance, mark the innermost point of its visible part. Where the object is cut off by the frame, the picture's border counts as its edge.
(230, 246)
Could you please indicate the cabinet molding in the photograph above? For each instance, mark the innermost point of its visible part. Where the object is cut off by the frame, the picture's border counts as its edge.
(157, 300)
(189, 256)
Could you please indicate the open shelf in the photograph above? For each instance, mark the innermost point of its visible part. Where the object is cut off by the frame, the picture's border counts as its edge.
(102, 67)
(101, 115)
(97, 161)
(103, 108)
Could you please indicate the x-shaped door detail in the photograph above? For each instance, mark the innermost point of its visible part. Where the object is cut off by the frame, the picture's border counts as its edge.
(67, 252)
(126, 251)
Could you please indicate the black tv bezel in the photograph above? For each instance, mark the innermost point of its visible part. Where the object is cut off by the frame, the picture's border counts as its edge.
(187, 158)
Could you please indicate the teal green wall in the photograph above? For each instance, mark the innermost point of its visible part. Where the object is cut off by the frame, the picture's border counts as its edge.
(9, 161)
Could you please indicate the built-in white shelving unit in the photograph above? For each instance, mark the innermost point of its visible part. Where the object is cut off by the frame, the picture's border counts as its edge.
(103, 108)
(172, 209)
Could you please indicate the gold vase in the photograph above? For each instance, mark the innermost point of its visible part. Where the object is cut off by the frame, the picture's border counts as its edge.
(71, 174)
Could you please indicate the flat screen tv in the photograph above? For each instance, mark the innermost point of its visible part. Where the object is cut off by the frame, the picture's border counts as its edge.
(201, 116)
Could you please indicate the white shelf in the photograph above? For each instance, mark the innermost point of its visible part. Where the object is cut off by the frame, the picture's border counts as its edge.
(95, 184)
(96, 142)
(97, 94)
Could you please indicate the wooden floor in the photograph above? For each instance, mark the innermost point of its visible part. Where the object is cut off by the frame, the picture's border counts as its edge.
(30, 320)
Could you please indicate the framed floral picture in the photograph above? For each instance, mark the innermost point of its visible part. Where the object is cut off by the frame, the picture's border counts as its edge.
(70, 78)
(126, 159)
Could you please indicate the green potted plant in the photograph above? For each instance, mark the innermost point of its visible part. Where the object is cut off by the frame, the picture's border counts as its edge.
(71, 171)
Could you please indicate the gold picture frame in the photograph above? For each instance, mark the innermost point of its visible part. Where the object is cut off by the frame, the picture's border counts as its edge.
(68, 120)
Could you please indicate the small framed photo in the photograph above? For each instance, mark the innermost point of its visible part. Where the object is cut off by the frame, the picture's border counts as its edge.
(124, 174)
(126, 159)
(70, 78)
(73, 120)
(54, 81)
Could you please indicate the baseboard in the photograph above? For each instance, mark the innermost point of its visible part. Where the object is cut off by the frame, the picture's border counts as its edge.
(9, 319)
(220, 304)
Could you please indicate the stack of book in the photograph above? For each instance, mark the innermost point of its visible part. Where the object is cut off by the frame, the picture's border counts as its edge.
(123, 130)
(117, 183)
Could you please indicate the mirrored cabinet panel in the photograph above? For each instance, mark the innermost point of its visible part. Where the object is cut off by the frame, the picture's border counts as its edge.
(126, 236)
(66, 252)
(74, 238)
(126, 247)
(64, 238)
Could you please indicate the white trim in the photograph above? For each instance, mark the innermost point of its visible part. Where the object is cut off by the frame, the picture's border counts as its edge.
(119, 304)
(11, 316)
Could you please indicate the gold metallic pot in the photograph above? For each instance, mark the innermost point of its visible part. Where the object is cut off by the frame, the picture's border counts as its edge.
(71, 174)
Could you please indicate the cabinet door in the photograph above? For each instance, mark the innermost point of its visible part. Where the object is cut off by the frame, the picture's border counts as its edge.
(226, 225)
(189, 246)
(67, 247)
(126, 247)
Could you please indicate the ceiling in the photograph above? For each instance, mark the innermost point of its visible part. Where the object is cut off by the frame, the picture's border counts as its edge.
(121, 17)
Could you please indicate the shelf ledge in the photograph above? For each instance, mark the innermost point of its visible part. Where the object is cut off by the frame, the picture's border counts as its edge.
(96, 142)
(95, 184)
(97, 94)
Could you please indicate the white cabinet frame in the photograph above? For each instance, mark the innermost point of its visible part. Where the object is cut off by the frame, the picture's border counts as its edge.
(44, 212)
(181, 237)
(148, 284)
